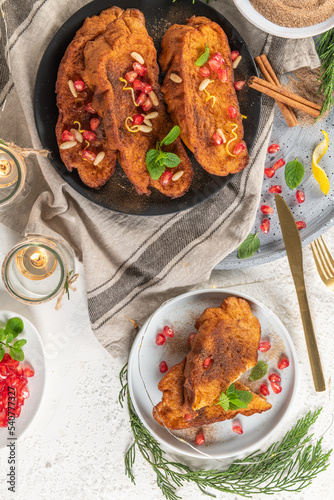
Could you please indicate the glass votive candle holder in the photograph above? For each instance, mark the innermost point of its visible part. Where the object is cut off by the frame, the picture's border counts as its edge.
(37, 269)
(13, 174)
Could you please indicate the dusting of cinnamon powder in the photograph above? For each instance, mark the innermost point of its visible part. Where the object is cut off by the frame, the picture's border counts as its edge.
(295, 13)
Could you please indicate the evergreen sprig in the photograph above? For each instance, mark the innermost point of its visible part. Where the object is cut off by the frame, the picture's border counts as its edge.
(288, 465)
(325, 49)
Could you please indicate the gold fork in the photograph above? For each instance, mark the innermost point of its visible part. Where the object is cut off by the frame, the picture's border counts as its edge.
(324, 262)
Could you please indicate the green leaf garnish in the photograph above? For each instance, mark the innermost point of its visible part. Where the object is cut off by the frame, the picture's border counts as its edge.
(294, 173)
(171, 160)
(171, 136)
(16, 353)
(157, 160)
(249, 246)
(258, 371)
(234, 399)
(15, 326)
(2, 334)
(204, 57)
(12, 329)
(224, 402)
(2, 352)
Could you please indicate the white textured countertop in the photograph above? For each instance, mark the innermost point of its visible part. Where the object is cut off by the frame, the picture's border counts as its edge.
(75, 447)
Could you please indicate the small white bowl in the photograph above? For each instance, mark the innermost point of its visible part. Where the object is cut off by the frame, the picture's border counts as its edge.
(254, 17)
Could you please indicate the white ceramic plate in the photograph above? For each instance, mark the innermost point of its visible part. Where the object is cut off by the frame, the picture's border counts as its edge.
(254, 17)
(34, 356)
(181, 313)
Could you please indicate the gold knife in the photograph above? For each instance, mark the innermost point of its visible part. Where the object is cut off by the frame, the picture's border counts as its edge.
(294, 252)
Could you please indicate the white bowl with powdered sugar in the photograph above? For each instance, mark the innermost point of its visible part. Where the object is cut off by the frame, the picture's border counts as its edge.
(248, 10)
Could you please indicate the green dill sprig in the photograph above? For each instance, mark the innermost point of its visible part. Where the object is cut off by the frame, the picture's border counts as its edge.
(288, 465)
(325, 49)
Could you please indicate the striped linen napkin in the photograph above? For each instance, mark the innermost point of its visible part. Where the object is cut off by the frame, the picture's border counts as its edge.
(132, 264)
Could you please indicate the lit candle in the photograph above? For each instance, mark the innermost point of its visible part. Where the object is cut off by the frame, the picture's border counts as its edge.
(12, 177)
(8, 172)
(35, 263)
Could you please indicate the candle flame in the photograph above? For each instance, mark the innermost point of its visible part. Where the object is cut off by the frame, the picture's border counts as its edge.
(38, 259)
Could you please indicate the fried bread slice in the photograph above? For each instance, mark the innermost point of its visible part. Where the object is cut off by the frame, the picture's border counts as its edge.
(108, 58)
(198, 115)
(72, 109)
(225, 346)
(170, 411)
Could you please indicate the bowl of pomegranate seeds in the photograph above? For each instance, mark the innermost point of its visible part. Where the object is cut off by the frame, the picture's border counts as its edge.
(21, 380)
(159, 350)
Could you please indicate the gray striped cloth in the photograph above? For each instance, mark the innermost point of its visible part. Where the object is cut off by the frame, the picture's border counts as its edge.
(132, 264)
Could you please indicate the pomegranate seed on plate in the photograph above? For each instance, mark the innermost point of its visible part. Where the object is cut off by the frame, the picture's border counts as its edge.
(204, 71)
(239, 148)
(139, 68)
(237, 429)
(166, 178)
(163, 367)
(88, 136)
(79, 85)
(280, 163)
(300, 195)
(131, 76)
(270, 172)
(275, 189)
(141, 99)
(239, 84)
(264, 346)
(160, 339)
(94, 123)
(218, 57)
(168, 331)
(232, 112)
(208, 362)
(147, 88)
(188, 416)
(138, 120)
(234, 54)
(283, 363)
(28, 371)
(147, 105)
(266, 209)
(90, 108)
(217, 139)
(274, 377)
(273, 148)
(19, 370)
(191, 337)
(276, 387)
(25, 393)
(264, 390)
(138, 85)
(18, 412)
(88, 155)
(301, 224)
(67, 136)
(200, 439)
(265, 226)
(222, 74)
(214, 64)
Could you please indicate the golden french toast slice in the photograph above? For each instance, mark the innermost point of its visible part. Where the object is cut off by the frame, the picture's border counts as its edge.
(204, 106)
(110, 65)
(225, 346)
(170, 411)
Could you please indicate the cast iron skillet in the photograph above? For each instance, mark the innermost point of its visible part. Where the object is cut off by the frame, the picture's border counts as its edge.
(119, 194)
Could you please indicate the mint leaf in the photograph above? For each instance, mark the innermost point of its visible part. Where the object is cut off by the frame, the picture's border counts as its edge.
(249, 246)
(14, 326)
(2, 353)
(245, 396)
(10, 338)
(230, 390)
(234, 399)
(2, 335)
(224, 401)
(258, 371)
(171, 160)
(155, 169)
(204, 57)
(19, 343)
(294, 173)
(16, 353)
(151, 156)
(171, 136)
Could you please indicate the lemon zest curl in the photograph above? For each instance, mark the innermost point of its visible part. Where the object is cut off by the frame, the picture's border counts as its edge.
(125, 87)
(235, 126)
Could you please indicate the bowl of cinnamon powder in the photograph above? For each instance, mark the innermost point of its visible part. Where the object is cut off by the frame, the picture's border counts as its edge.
(289, 18)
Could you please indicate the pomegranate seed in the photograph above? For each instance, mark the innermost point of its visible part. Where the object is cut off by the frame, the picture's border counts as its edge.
(168, 331)
(160, 339)
(67, 136)
(300, 195)
(237, 429)
(208, 362)
(25, 393)
(4, 371)
(270, 172)
(204, 71)
(147, 88)
(131, 76)
(94, 123)
(265, 226)
(163, 367)
(90, 108)
(79, 85)
(18, 412)
(283, 363)
(142, 98)
(28, 371)
(147, 105)
(88, 155)
(234, 54)
(239, 84)
(20, 401)
(214, 64)
(138, 85)
(264, 390)
(275, 189)
(218, 57)
(266, 209)
(276, 387)
(274, 377)
(138, 120)
(239, 148)
(273, 148)
(280, 163)
(89, 136)
(191, 337)
(200, 439)
(232, 112)
(139, 68)
(19, 370)
(301, 224)
(166, 178)
(264, 346)
(188, 416)
(222, 75)
(217, 139)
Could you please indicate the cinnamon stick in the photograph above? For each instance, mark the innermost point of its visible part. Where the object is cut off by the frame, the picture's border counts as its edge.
(283, 95)
(269, 74)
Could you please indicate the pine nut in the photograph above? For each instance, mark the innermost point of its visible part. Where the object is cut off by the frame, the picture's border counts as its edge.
(72, 88)
(204, 84)
(68, 145)
(236, 62)
(177, 175)
(77, 134)
(99, 158)
(154, 98)
(221, 133)
(145, 128)
(152, 115)
(175, 78)
(137, 57)
(147, 122)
